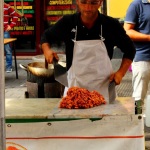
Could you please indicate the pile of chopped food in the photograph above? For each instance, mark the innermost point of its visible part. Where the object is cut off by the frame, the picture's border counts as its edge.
(81, 98)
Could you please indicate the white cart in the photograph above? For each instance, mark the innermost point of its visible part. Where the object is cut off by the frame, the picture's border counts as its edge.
(38, 124)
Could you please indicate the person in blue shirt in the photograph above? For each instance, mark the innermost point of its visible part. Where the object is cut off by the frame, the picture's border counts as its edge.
(137, 26)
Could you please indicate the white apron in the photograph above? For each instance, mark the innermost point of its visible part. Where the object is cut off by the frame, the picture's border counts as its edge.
(91, 67)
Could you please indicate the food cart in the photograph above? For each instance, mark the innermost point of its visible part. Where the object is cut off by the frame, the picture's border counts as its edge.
(40, 124)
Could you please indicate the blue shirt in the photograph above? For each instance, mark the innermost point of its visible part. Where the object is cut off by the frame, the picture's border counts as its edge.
(138, 13)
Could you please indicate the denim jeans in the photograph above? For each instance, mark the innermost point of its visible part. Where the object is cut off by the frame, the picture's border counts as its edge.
(8, 51)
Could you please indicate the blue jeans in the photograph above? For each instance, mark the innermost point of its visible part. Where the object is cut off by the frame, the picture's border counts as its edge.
(8, 51)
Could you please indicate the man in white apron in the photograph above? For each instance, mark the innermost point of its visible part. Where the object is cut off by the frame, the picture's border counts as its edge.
(86, 35)
(87, 70)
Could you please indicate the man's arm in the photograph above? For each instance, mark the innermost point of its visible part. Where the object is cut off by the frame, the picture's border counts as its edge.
(135, 35)
(118, 75)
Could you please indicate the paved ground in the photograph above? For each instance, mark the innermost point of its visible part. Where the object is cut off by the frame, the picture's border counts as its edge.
(15, 88)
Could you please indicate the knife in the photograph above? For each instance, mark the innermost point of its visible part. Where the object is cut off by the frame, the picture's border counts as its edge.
(112, 92)
(60, 73)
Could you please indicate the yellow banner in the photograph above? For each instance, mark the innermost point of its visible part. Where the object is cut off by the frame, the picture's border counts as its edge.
(29, 27)
(65, 12)
(60, 2)
(24, 7)
(52, 22)
(60, 12)
(19, 28)
(23, 28)
(53, 12)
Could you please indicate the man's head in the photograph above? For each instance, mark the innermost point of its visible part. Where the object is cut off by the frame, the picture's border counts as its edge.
(92, 2)
(89, 8)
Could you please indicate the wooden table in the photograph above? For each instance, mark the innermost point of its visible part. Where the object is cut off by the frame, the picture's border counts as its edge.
(8, 41)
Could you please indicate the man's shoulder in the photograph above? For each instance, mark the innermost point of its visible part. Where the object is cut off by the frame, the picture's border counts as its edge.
(107, 19)
(70, 20)
(137, 2)
(136, 6)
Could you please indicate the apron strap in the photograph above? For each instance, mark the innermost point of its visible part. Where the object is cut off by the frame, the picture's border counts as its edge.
(101, 35)
(75, 38)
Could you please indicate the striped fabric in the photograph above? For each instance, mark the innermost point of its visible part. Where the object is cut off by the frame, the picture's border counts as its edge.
(10, 16)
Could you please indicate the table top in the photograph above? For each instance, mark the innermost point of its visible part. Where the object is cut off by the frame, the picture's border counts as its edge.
(48, 108)
(9, 40)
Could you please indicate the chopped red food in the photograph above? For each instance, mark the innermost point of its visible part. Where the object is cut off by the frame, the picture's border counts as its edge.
(81, 98)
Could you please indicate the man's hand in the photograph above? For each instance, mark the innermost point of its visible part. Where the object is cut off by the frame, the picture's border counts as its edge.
(50, 56)
(49, 53)
(8, 28)
(117, 76)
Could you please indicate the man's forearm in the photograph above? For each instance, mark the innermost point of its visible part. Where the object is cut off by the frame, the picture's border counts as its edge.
(48, 53)
(125, 64)
(137, 36)
(45, 47)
